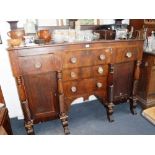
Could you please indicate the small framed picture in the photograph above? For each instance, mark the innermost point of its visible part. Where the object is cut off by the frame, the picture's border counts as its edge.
(0, 39)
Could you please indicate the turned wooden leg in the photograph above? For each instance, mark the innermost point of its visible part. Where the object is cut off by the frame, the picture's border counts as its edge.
(25, 106)
(63, 116)
(64, 121)
(29, 128)
(27, 118)
(133, 99)
(110, 104)
(133, 105)
(110, 111)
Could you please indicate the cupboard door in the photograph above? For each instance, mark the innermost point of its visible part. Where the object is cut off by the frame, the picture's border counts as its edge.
(123, 80)
(41, 90)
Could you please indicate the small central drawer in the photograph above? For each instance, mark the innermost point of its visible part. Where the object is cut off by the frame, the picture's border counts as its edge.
(85, 72)
(39, 64)
(77, 87)
(77, 73)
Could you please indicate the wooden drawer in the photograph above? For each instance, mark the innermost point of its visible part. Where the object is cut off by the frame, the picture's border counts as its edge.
(100, 83)
(39, 64)
(102, 56)
(73, 59)
(83, 58)
(77, 73)
(78, 87)
(85, 72)
(84, 86)
(126, 54)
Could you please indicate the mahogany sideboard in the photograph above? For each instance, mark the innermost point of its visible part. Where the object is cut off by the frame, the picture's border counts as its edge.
(50, 77)
(146, 86)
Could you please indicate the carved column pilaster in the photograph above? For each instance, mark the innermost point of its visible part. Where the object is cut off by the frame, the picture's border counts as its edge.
(133, 99)
(24, 103)
(110, 104)
(63, 115)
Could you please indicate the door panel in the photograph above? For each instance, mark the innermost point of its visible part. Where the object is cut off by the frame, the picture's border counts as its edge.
(123, 80)
(42, 95)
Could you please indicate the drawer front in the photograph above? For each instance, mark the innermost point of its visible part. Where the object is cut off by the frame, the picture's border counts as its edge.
(102, 56)
(83, 58)
(73, 59)
(77, 73)
(39, 64)
(126, 54)
(100, 83)
(73, 88)
(85, 72)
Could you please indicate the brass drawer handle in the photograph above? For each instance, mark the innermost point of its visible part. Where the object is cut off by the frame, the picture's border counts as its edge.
(73, 89)
(102, 57)
(99, 84)
(128, 54)
(73, 60)
(73, 74)
(100, 70)
(146, 64)
(37, 65)
(110, 49)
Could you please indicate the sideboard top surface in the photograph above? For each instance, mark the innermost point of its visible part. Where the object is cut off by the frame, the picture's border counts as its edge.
(74, 43)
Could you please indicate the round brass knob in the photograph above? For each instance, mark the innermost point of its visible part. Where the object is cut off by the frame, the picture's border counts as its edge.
(102, 57)
(37, 65)
(110, 49)
(73, 89)
(87, 46)
(100, 70)
(73, 60)
(128, 54)
(99, 84)
(73, 74)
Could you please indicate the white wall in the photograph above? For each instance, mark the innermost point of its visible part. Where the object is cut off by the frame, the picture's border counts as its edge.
(7, 81)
